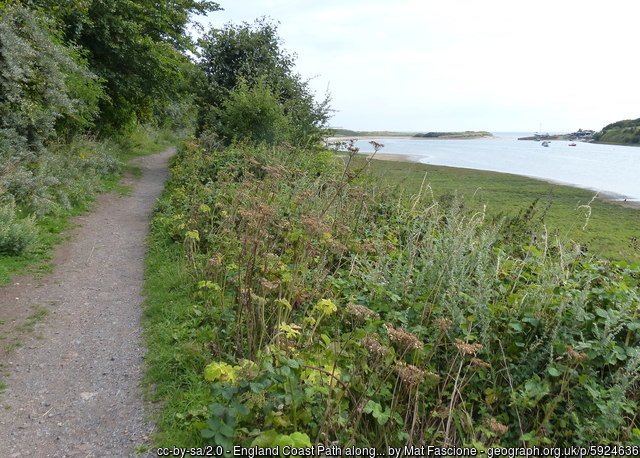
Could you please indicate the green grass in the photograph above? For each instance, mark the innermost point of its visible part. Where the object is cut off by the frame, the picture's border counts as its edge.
(178, 346)
(51, 230)
(611, 230)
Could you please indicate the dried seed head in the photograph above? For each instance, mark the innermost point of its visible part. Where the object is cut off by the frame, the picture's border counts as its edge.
(480, 363)
(368, 247)
(314, 225)
(336, 247)
(360, 313)
(467, 348)
(275, 171)
(374, 347)
(409, 374)
(403, 339)
(215, 261)
(444, 324)
(269, 285)
(575, 355)
(497, 427)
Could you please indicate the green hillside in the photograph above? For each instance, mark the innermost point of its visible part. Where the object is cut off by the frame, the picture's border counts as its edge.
(625, 132)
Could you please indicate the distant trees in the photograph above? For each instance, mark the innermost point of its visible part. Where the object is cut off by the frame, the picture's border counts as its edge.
(244, 66)
(623, 132)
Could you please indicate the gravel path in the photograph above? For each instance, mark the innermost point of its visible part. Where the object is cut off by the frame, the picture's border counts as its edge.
(74, 386)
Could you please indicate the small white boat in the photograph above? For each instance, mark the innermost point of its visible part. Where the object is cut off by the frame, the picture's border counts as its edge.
(545, 143)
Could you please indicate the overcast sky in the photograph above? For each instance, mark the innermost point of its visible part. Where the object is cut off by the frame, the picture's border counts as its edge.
(492, 65)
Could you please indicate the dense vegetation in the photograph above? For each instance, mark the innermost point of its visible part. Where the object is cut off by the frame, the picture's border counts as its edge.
(78, 80)
(251, 91)
(296, 299)
(320, 303)
(623, 132)
(376, 133)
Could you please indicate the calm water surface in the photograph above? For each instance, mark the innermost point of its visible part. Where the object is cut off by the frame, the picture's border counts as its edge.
(607, 168)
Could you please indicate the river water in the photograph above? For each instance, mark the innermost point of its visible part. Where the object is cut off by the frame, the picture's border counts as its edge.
(610, 169)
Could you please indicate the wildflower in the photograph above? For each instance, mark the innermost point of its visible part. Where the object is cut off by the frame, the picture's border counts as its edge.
(467, 348)
(193, 235)
(258, 300)
(220, 371)
(403, 338)
(326, 236)
(208, 284)
(326, 306)
(283, 303)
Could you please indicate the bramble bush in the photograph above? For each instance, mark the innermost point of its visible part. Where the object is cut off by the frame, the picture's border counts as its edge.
(336, 310)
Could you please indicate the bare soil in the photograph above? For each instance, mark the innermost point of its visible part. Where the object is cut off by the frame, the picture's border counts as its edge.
(73, 385)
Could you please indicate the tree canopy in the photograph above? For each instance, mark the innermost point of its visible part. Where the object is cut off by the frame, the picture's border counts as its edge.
(245, 56)
(136, 47)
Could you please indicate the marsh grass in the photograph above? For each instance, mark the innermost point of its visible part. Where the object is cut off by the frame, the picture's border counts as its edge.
(611, 231)
(305, 299)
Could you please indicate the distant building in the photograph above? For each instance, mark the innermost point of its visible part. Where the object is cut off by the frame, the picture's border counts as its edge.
(583, 134)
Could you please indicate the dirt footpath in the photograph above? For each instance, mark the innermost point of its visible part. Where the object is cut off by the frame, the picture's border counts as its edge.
(73, 387)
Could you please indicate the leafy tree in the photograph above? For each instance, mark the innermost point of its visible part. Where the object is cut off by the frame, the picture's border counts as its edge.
(137, 47)
(251, 55)
(45, 87)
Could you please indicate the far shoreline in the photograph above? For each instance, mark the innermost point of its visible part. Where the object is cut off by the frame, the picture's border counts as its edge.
(400, 137)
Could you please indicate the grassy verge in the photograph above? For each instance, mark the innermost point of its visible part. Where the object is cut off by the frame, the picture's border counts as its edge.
(51, 227)
(607, 229)
(293, 300)
(177, 341)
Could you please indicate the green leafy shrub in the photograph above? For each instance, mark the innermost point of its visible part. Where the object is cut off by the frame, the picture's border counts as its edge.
(253, 114)
(46, 95)
(17, 236)
(45, 86)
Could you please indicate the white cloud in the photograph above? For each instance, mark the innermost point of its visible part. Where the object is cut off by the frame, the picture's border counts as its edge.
(462, 64)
